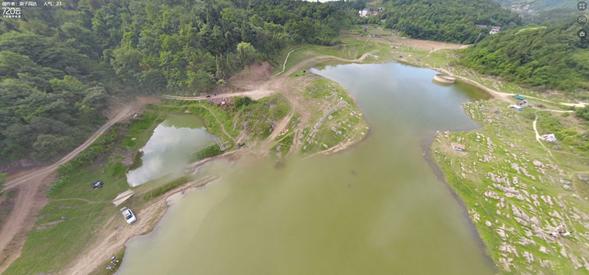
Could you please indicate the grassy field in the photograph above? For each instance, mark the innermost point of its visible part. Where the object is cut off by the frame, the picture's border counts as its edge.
(336, 119)
(75, 212)
(528, 202)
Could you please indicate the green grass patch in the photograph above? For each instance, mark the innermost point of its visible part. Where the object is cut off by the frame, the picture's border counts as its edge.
(2, 180)
(259, 116)
(207, 152)
(160, 190)
(68, 223)
(141, 129)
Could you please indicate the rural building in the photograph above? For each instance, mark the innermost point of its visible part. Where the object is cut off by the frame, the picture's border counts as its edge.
(370, 12)
(549, 138)
(495, 30)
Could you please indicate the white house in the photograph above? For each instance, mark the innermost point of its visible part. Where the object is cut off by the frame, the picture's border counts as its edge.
(549, 138)
(495, 30)
(370, 12)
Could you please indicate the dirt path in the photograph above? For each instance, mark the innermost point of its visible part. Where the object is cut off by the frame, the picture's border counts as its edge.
(507, 96)
(539, 138)
(29, 200)
(276, 83)
(278, 129)
(285, 61)
(31, 186)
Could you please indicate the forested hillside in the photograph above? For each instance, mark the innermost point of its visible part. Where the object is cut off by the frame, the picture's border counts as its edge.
(546, 57)
(542, 11)
(58, 66)
(536, 6)
(449, 20)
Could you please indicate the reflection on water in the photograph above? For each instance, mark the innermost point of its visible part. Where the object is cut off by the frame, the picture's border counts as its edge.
(170, 148)
(374, 209)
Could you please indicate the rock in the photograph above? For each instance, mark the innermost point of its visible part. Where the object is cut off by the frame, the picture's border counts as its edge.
(546, 264)
(563, 252)
(501, 233)
(507, 248)
(526, 241)
(538, 163)
(583, 177)
(529, 257)
(505, 263)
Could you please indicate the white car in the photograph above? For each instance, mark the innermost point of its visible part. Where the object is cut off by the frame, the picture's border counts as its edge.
(128, 215)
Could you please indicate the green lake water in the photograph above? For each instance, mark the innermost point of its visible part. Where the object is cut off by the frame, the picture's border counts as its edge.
(170, 148)
(376, 208)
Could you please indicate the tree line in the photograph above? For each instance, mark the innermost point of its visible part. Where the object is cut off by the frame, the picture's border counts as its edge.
(545, 57)
(459, 21)
(59, 66)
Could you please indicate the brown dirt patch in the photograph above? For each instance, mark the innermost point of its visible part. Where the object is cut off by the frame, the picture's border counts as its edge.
(251, 77)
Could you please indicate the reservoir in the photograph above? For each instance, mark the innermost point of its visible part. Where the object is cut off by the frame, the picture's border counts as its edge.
(170, 148)
(376, 208)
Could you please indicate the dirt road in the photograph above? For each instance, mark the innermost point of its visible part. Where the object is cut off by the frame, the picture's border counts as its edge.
(274, 84)
(31, 187)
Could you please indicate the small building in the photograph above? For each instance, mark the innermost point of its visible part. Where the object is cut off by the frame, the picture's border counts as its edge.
(370, 12)
(495, 30)
(549, 138)
(458, 147)
(516, 107)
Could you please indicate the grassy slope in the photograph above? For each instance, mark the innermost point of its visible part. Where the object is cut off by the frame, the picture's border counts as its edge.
(75, 212)
(505, 142)
(340, 122)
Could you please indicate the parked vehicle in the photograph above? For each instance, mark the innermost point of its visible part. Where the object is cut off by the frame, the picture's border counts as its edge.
(97, 184)
(128, 215)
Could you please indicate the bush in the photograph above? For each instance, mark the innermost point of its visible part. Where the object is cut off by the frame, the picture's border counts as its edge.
(91, 154)
(156, 192)
(583, 113)
(2, 179)
(207, 152)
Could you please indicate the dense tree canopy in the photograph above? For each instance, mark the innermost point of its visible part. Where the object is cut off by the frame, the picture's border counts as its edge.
(59, 66)
(549, 57)
(449, 20)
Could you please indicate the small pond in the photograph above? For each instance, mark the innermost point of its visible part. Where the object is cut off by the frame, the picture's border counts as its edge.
(171, 146)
